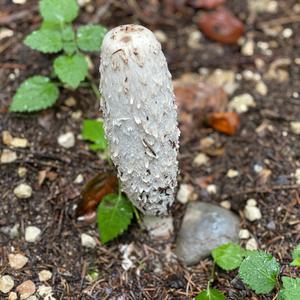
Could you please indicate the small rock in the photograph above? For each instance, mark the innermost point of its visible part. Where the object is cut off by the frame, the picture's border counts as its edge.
(8, 156)
(205, 227)
(22, 172)
(70, 102)
(12, 296)
(45, 275)
(14, 231)
(287, 33)
(6, 137)
(87, 241)
(23, 191)
(76, 115)
(241, 103)
(32, 234)
(251, 244)
(79, 179)
(252, 213)
(126, 250)
(159, 227)
(19, 1)
(66, 140)
(258, 168)
(201, 159)
(244, 234)
(206, 142)
(19, 143)
(161, 36)
(5, 33)
(271, 225)
(297, 176)
(232, 173)
(33, 297)
(26, 289)
(261, 88)
(225, 79)
(226, 204)
(6, 284)
(251, 202)
(17, 261)
(295, 126)
(184, 193)
(211, 189)
(194, 39)
(45, 291)
(248, 48)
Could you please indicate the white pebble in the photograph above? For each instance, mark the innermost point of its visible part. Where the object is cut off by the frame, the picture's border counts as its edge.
(19, 143)
(88, 241)
(12, 296)
(251, 244)
(45, 291)
(248, 48)
(184, 193)
(287, 33)
(251, 202)
(22, 172)
(6, 284)
(244, 234)
(201, 159)
(32, 234)
(295, 126)
(70, 102)
(232, 173)
(161, 36)
(8, 156)
(241, 103)
(297, 176)
(23, 191)
(226, 204)
(45, 275)
(17, 261)
(159, 227)
(66, 140)
(79, 179)
(26, 289)
(252, 213)
(257, 168)
(211, 189)
(19, 1)
(5, 33)
(261, 88)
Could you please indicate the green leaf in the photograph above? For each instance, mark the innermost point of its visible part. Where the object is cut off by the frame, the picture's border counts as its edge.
(210, 294)
(35, 93)
(68, 34)
(45, 40)
(290, 290)
(228, 256)
(70, 47)
(259, 270)
(71, 69)
(51, 26)
(296, 256)
(89, 37)
(59, 11)
(93, 131)
(114, 215)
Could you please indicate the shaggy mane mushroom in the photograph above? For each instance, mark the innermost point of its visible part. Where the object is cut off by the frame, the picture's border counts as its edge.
(140, 117)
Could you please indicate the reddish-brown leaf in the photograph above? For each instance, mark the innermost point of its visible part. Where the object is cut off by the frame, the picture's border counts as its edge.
(225, 122)
(94, 191)
(206, 3)
(221, 26)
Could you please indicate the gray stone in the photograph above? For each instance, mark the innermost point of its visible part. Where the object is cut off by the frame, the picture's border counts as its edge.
(205, 227)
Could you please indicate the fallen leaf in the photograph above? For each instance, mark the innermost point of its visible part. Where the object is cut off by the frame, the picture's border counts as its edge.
(225, 122)
(93, 192)
(221, 26)
(206, 3)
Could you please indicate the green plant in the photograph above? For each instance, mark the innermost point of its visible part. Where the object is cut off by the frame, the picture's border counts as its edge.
(56, 34)
(257, 269)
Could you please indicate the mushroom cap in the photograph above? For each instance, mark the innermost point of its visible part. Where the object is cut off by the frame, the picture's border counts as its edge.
(140, 116)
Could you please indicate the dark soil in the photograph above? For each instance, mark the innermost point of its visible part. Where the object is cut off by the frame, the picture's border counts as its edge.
(157, 274)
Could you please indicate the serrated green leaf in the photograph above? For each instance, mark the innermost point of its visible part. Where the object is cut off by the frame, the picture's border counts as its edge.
(68, 34)
(70, 47)
(114, 215)
(228, 256)
(71, 69)
(296, 256)
(34, 94)
(44, 40)
(259, 270)
(51, 26)
(290, 290)
(60, 11)
(90, 37)
(93, 131)
(210, 294)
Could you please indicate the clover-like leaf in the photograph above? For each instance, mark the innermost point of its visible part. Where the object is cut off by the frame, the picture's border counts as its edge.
(114, 215)
(290, 290)
(210, 294)
(71, 69)
(45, 40)
(259, 270)
(89, 37)
(93, 131)
(59, 11)
(35, 93)
(228, 256)
(296, 256)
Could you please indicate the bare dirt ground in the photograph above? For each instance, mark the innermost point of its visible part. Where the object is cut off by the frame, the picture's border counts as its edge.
(156, 273)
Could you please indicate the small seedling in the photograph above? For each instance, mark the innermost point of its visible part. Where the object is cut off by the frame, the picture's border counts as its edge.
(55, 35)
(257, 269)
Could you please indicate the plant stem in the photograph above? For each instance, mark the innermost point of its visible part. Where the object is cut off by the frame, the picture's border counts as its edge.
(94, 87)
